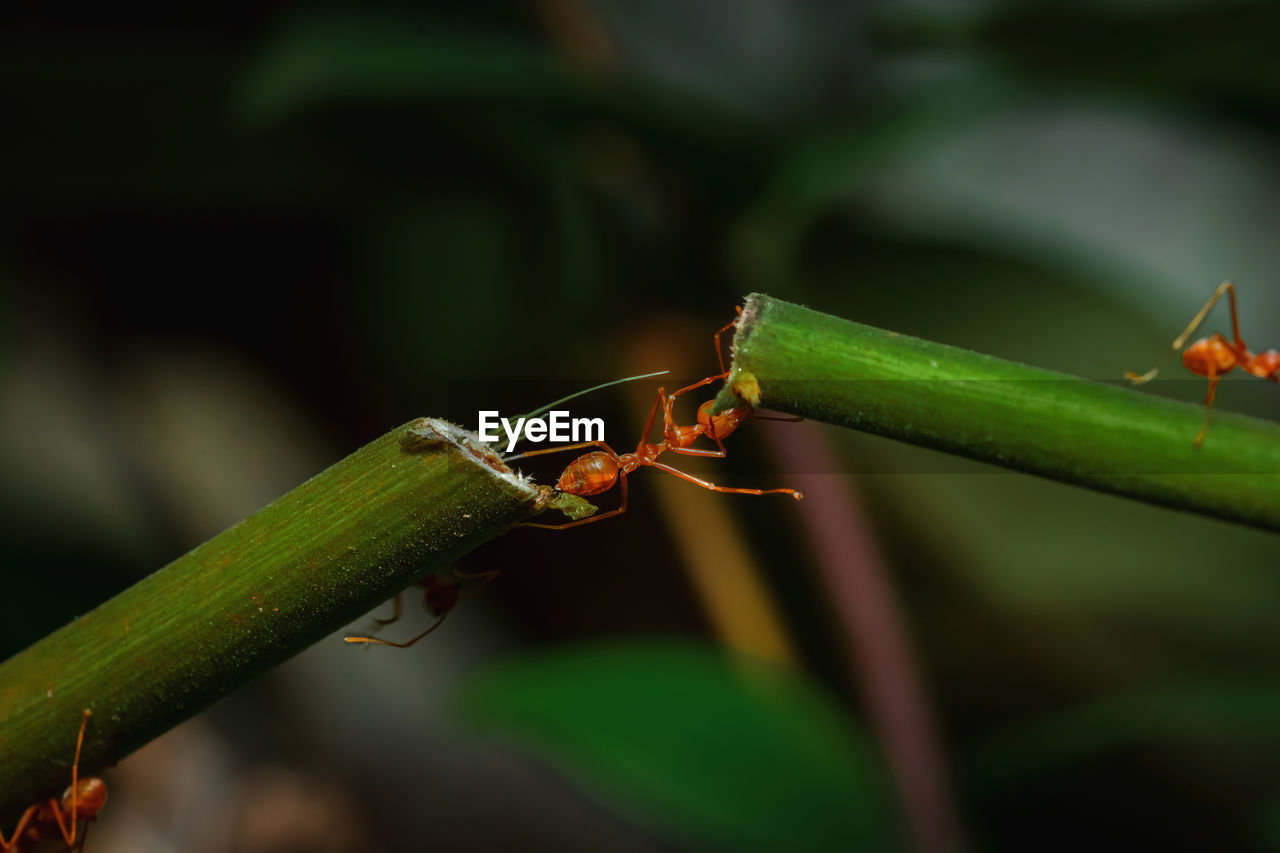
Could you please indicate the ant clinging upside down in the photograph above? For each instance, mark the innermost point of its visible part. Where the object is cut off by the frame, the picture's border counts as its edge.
(80, 802)
(1214, 356)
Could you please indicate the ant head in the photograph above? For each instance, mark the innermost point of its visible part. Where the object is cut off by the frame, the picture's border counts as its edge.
(1267, 365)
(441, 596)
(1209, 355)
(722, 424)
(90, 797)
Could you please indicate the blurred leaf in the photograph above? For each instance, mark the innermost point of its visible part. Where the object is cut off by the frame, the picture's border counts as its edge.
(830, 163)
(362, 58)
(369, 60)
(1243, 712)
(437, 270)
(726, 751)
(1221, 54)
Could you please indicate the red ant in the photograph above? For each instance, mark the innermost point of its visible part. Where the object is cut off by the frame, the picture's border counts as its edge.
(598, 471)
(440, 598)
(81, 801)
(1214, 356)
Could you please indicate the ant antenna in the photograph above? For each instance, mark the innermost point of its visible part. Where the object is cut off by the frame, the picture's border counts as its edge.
(549, 406)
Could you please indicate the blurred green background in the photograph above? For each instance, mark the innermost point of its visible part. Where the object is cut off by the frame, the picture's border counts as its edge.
(239, 240)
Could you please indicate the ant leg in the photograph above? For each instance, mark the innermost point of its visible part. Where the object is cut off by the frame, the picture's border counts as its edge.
(698, 384)
(669, 425)
(1235, 320)
(68, 828)
(561, 449)
(728, 326)
(658, 400)
(485, 579)
(1208, 407)
(1226, 287)
(395, 616)
(622, 507)
(12, 844)
(694, 451)
(376, 641)
(713, 487)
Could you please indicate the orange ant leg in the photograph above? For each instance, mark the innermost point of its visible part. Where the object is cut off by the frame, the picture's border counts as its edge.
(716, 338)
(1227, 288)
(713, 487)
(658, 400)
(65, 827)
(12, 844)
(560, 449)
(376, 641)
(680, 437)
(485, 579)
(395, 616)
(1214, 378)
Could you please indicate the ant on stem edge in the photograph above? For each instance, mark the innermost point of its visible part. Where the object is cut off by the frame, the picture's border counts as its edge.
(598, 471)
(1215, 356)
(81, 801)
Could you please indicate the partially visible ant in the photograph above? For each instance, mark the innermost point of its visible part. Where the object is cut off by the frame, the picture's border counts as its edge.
(441, 595)
(80, 802)
(1214, 356)
(598, 471)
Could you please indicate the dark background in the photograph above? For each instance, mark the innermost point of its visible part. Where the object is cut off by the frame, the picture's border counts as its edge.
(237, 241)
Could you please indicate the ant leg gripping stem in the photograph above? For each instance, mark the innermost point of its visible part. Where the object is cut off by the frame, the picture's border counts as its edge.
(379, 642)
(1208, 409)
(395, 615)
(621, 508)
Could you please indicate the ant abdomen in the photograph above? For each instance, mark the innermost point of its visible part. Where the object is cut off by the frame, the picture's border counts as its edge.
(91, 796)
(589, 474)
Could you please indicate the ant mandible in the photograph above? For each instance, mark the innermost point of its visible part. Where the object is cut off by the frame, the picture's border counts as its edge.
(81, 801)
(1214, 356)
(598, 471)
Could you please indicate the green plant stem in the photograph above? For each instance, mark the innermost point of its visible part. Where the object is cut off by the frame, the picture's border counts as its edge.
(406, 505)
(1113, 439)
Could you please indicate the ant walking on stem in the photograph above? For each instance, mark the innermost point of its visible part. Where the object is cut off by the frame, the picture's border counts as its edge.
(1214, 356)
(81, 801)
(598, 471)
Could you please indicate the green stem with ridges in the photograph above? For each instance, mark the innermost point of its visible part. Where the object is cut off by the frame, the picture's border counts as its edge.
(408, 504)
(1113, 439)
